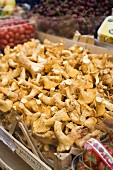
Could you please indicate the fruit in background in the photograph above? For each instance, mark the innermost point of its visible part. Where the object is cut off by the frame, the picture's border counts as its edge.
(7, 2)
(88, 15)
(11, 10)
(10, 2)
(8, 10)
(78, 7)
(16, 31)
(18, 10)
(1, 3)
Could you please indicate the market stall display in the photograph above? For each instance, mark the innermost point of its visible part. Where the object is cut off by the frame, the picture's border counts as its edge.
(56, 98)
(63, 18)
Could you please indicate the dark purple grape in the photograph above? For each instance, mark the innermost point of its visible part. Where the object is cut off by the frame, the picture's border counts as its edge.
(81, 8)
(106, 2)
(63, 14)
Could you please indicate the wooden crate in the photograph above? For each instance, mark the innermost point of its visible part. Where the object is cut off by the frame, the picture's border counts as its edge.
(16, 147)
(62, 163)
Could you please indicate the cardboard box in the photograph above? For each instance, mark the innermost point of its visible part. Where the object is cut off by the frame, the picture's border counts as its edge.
(68, 42)
(12, 143)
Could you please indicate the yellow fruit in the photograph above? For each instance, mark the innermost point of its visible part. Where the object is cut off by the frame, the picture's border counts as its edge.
(10, 2)
(8, 10)
(1, 3)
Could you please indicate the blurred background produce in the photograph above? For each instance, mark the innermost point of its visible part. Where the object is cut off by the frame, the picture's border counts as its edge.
(11, 7)
(64, 17)
(7, 2)
(15, 31)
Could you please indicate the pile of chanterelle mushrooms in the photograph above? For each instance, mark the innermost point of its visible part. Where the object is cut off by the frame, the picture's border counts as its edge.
(61, 93)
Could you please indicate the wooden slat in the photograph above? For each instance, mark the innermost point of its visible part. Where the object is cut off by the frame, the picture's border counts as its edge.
(62, 161)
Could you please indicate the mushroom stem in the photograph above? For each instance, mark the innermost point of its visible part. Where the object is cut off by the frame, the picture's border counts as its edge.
(33, 68)
(58, 101)
(47, 100)
(100, 107)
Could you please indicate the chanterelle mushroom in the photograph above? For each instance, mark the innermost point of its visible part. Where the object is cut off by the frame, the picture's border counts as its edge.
(6, 105)
(65, 142)
(32, 67)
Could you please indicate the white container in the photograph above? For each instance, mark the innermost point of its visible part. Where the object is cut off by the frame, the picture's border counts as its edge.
(105, 32)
